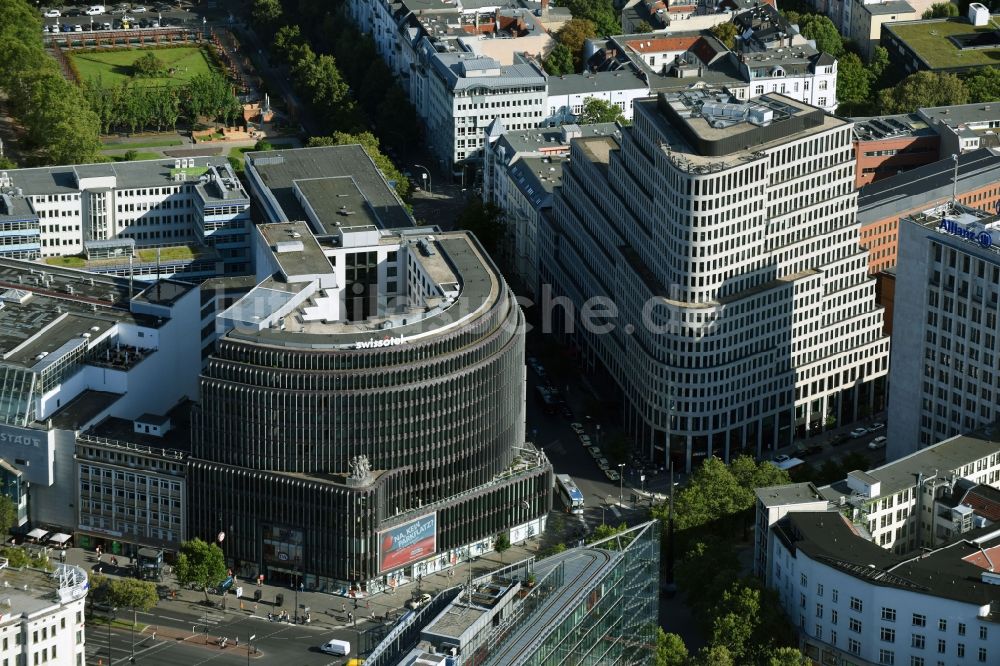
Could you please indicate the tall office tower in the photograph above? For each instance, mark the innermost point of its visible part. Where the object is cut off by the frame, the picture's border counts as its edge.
(944, 365)
(723, 235)
(361, 421)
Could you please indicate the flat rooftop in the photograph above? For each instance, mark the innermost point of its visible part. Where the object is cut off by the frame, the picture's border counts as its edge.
(546, 140)
(280, 169)
(793, 493)
(164, 292)
(932, 42)
(891, 127)
(917, 187)
(341, 196)
(29, 592)
(581, 84)
(295, 248)
(940, 459)
(178, 438)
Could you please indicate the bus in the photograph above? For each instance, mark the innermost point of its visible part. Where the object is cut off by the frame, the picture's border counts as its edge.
(571, 496)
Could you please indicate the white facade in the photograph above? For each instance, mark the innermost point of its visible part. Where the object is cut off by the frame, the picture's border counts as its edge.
(568, 94)
(154, 203)
(39, 627)
(739, 271)
(946, 369)
(764, 73)
(846, 615)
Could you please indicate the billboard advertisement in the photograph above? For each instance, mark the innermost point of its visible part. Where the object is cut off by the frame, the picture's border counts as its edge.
(407, 543)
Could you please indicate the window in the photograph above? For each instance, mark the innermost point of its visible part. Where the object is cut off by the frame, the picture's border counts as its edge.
(887, 635)
(819, 610)
(856, 604)
(833, 617)
(836, 596)
(919, 620)
(853, 646)
(982, 655)
(982, 633)
(942, 625)
(888, 614)
(961, 649)
(942, 646)
(961, 628)
(886, 657)
(916, 661)
(917, 641)
(854, 625)
(819, 590)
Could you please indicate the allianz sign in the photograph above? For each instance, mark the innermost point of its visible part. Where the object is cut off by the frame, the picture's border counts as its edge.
(984, 238)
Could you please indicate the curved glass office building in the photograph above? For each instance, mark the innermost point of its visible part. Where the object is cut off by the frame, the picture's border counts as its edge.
(362, 418)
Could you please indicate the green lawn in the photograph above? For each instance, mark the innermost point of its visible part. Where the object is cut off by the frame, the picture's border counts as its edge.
(135, 145)
(166, 254)
(113, 67)
(66, 262)
(929, 40)
(138, 156)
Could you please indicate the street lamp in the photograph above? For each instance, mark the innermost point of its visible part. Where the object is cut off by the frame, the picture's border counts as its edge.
(114, 615)
(621, 483)
(428, 183)
(298, 584)
(249, 644)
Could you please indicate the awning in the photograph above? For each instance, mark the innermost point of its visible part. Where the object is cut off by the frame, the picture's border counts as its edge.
(59, 538)
(37, 533)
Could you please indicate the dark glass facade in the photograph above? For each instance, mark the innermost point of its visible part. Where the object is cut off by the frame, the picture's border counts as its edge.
(439, 419)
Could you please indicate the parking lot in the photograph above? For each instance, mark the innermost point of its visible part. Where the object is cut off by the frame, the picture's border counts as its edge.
(78, 18)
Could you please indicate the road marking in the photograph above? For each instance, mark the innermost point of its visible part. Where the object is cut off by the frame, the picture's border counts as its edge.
(175, 619)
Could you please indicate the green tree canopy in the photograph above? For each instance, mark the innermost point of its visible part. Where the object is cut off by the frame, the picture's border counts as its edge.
(983, 85)
(601, 12)
(265, 17)
(148, 65)
(714, 655)
(941, 10)
(136, 595)
(200, 564)
(787, 656)
(501, 544)
(642, 27)
(599, 111)
(821, 29)
(853, 82)
(370, 143)
(559, 61)
(712, 493)
(923, 89)
(287, 41)
(573, 35)
(8, 510)
(670, 649)
(726, 33)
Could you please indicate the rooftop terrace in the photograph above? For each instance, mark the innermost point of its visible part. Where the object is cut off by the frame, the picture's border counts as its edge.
(934, 42)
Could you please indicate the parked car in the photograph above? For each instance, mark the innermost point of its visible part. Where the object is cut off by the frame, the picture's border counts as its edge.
(877, 443)
(77, 28)
(52, 13)
(595, 452)
(603, 463)
(780, 458)
(417, 602)
(106, 26)
(66, 27)
(585, 440)
(577, 427)
(858, 433)
(612, 475)
(138, 9)
(96, 10)
(875, 427)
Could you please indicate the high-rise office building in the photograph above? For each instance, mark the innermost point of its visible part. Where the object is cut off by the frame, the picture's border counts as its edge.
(722, 236)
(362, 418)
(945, 372)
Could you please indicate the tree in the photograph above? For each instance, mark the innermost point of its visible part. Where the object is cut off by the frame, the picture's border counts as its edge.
(601, 12)
(642, 27)
(941, 10)
(136, 595)
(573, 35)
(923, 89)
(605, 530)
(502, 544)
(200, 564)
(726, 33)
(598, 111)
(670, 649)
(983, 85)
(787, 656)
(130, 155)
(265, 16)
(148, 65)
(715, 655)
(370, 144)
(287, 40)
(8, 510)
(822, 30)
(853, 82)
(485, 221)
(559, 61)
(713, 493)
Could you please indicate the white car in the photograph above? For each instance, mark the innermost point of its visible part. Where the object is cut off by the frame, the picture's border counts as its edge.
(877, 443)
(585, 440)
(858, 433)
(612, 475)
(96, 10)
(595, 452)
(417, 602)
(138, 10)
(603, 463)
(875, 427)
(52, 13)
(77, 28)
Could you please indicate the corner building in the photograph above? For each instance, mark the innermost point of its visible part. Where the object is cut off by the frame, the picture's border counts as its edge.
(724, 232)
(362, 339)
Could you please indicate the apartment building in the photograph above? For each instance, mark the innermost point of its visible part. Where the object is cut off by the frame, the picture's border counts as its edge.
(113, 211)
(945, 374)
(866, 19)
(42, 616)
(521, 170)
(855, 603)
(889, 145)
(725, 234)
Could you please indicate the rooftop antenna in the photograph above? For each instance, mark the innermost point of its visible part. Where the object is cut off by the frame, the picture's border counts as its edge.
(954, 181)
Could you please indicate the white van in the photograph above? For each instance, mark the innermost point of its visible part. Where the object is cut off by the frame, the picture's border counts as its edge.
(96, 10)
(337, 647)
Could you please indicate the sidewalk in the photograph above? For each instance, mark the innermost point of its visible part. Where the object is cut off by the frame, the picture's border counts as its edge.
(327, 611)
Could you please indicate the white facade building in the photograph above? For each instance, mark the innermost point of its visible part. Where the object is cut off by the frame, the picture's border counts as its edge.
(946, 370)
(728, 244)
(567, 94)
(135, 205)
(42, 616)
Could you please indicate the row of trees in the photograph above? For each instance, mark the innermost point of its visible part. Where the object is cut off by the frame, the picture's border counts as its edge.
(58, 127)
(742, 620)
(133, 106)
